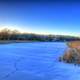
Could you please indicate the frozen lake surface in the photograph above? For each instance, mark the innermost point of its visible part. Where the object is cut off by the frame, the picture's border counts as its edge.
(35, 61)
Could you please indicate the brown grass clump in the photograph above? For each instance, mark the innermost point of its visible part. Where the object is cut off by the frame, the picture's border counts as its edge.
(72, 55)
(74, 44)
(67, 57)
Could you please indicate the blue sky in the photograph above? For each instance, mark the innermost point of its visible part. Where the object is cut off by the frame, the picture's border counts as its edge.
(43, 17)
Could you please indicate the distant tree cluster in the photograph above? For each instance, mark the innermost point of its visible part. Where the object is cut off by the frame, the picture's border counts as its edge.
(7, 34)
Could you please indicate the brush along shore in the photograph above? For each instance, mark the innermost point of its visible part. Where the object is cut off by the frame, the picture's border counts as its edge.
(72, 54)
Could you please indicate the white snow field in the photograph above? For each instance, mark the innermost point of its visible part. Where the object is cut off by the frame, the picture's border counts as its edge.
(35, 61)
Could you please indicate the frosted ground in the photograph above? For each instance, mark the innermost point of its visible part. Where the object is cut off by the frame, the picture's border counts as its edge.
(35, 61)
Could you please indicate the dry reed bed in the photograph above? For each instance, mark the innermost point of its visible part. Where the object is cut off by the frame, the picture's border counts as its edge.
(72, 54)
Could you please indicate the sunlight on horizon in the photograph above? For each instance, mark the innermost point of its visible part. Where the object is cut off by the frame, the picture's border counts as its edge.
(41, 32)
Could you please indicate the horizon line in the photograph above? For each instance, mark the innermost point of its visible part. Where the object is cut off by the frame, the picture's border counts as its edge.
(38, 33)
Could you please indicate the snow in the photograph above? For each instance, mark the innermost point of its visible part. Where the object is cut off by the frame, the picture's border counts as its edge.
(35, 61)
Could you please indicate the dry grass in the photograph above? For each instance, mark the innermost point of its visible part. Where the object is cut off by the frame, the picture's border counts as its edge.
(72, 55)
(74, 44)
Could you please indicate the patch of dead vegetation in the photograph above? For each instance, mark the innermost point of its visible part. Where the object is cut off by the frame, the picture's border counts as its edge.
(72, 54)
(74, 44)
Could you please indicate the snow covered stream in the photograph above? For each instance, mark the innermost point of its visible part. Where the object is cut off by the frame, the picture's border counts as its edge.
(35, 61)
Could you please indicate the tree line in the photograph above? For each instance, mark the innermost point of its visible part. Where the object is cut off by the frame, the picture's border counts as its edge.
(7, 34)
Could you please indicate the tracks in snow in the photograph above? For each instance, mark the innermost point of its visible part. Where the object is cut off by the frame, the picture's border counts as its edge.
(15, 68)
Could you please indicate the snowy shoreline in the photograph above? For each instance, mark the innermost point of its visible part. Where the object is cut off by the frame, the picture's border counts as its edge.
(18, 41)
(13, 41)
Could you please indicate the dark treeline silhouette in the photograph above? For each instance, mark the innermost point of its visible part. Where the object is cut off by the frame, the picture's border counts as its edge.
(7, 34)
